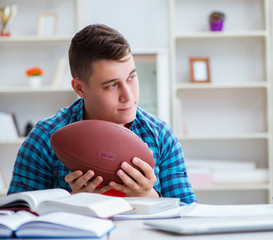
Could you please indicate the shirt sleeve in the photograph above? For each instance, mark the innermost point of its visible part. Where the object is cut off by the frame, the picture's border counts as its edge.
(32, 169)
(173, 176)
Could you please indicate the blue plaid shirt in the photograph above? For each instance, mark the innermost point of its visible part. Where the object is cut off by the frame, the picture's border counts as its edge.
(37, 167)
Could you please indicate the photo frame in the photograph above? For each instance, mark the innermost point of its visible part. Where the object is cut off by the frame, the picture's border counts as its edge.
(47, 25)
(199, 70)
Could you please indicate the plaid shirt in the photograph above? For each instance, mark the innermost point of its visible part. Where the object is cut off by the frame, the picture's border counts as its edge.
(37, 167)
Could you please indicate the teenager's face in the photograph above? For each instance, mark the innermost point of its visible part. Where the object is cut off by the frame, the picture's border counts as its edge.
(112, 92)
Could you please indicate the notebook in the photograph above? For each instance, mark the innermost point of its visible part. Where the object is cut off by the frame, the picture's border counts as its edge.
(197, 225)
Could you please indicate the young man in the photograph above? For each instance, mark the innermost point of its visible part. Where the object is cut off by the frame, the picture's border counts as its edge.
(104, 76)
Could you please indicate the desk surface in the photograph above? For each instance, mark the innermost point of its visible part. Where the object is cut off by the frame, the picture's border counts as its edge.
(135, 230)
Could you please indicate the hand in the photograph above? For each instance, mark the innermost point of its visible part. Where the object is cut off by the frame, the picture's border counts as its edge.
(79, 182)
(136, 183)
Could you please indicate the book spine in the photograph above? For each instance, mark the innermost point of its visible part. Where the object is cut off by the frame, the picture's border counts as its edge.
(8, 129)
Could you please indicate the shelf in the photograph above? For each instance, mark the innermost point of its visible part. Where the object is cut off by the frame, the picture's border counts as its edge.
(34, 39)
(229, 117)
(252, 136)
(12, 142)
(184, 86)
(43, 89)
(234, 187)
(202, 35)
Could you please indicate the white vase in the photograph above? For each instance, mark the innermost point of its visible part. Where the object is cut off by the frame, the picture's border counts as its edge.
(35, 81)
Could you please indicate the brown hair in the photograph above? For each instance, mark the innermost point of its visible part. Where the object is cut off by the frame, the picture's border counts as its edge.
(95, 42)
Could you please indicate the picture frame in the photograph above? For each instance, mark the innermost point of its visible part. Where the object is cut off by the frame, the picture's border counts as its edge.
(47, 25)
(199, 70)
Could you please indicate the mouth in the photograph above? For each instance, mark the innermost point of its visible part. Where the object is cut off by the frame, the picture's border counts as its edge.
(126, 109)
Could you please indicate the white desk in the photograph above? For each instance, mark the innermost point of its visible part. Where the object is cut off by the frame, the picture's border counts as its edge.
(135, 230)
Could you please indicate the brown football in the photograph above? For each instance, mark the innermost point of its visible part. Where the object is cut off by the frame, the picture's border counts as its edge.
(100, 146)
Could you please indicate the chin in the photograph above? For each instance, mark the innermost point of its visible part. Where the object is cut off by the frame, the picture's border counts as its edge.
(125, 120)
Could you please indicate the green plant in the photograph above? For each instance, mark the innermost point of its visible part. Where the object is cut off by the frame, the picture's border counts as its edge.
(216, 16)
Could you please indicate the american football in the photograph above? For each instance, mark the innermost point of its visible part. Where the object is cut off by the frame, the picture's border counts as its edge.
(100, 146)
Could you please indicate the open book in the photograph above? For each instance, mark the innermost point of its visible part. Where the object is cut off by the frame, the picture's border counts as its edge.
(59, 224)
(56, 200)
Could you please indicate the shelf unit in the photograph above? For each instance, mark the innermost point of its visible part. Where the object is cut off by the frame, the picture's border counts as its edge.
(24, 49)
(230, 117)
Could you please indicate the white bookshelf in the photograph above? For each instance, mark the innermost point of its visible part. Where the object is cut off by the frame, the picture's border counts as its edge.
(24, 49)
(230, 117)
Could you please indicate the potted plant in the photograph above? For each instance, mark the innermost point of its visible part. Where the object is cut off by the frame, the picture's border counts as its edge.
(216, 20)
(34, 76)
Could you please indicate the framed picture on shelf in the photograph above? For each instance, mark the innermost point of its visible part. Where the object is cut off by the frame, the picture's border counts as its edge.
(199, 70)
(47, 25)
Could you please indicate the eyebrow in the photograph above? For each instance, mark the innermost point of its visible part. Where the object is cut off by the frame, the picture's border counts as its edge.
(115, 79)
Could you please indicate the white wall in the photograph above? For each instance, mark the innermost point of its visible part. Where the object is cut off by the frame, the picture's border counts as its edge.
(144, 23)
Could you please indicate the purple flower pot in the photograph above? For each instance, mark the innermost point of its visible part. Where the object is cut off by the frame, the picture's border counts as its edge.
(217, 26)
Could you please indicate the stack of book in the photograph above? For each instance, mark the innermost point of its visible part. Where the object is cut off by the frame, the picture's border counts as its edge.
(57, 213)
(204, 172)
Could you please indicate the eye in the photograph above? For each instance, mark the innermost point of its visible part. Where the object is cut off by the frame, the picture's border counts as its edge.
(111, 86)
(132, 77)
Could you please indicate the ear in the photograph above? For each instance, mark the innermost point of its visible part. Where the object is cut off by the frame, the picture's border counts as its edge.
(78, 87)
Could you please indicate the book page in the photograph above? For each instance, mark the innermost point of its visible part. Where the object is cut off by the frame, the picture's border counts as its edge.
(33, 198)
(13, 221)
(60, 224)
(90, 204)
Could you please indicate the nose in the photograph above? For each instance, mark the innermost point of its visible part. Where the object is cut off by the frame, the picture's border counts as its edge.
(126, 93)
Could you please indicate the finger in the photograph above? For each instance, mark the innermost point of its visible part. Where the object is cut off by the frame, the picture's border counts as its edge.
(132, 172)
(102, 189)
(131, 180)
(120, 187)
(90, 186)
(145, 167)
(71, 177)
(82, 181)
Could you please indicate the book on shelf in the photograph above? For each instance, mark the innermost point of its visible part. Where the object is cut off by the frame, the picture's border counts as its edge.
(8, 127)
(247, 176)
(55, 200)
(53, 225)
(220, 164)
(3, 184)
(59, 74)
(203, 172)
(200, 177)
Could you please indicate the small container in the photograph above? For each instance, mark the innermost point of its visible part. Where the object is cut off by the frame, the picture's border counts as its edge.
(217, 26)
